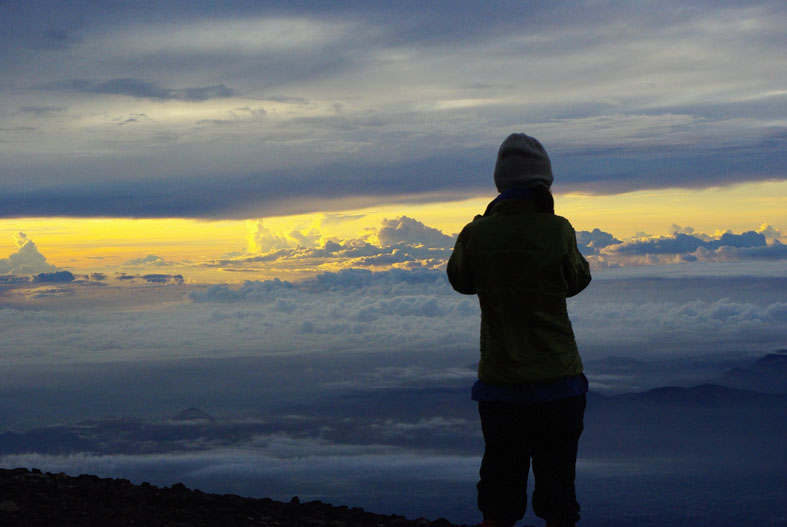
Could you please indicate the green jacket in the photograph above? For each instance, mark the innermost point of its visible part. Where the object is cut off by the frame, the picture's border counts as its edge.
(522, 264)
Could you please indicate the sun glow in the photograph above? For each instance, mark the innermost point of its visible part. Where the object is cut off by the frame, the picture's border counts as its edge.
(196, 248)
(738, 208)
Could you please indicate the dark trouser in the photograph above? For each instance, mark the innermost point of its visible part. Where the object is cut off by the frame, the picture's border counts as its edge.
(514, 434)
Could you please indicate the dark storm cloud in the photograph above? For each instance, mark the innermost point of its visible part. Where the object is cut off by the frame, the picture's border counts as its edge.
(245, 195)
(622, 169)
(448, 176)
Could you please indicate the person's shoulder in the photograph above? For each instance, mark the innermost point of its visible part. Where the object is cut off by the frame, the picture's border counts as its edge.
(563, 221)
(477, 223)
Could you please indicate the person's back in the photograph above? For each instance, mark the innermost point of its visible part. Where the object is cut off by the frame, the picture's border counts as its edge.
(522, 262)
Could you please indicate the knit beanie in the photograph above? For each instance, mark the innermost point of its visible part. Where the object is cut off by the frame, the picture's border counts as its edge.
(522, 163)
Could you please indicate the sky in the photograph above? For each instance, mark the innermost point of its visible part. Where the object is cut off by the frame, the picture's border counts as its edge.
(326, 119)
(240, 205)
(192, 179)
(158, 158)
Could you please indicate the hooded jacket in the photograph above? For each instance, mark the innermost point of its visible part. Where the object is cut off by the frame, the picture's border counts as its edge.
(522, 264)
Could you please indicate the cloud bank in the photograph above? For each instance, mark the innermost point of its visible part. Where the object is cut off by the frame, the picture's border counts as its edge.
(356, 309)
(387, 291)
(406, 243)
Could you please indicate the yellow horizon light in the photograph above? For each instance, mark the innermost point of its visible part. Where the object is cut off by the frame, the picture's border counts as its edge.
(108, 244)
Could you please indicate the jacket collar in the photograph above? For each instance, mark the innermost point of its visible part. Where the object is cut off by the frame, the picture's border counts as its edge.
(517, 195)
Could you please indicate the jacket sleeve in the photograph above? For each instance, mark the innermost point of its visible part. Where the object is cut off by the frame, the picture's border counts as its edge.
(576, 270)
(460, 272)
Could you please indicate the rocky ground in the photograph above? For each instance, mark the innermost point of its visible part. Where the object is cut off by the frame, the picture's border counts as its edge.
(33, 498)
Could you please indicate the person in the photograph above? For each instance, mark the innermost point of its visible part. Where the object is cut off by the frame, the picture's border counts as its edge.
(522, 261)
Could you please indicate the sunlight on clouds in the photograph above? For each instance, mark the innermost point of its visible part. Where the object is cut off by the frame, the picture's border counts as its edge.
(737, 208)
(447, 217)
(623, 229)
(26, 260)
(262, 240)
(771, 233)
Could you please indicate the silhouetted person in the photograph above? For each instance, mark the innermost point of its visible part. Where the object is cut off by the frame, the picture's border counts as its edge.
(522, 262)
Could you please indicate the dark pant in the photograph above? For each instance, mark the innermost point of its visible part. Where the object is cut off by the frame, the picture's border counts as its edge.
(514, 434)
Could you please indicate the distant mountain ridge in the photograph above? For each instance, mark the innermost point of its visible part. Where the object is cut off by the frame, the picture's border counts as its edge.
(766, 375)
(699, 429)
(702, 395)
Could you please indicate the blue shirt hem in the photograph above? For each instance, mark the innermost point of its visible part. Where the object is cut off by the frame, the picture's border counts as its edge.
(531, 393)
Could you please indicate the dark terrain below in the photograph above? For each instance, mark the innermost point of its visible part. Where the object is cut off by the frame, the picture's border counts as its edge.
(707, 455)
(33, 498)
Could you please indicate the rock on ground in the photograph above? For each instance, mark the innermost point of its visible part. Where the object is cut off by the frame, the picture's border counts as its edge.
(33, 498)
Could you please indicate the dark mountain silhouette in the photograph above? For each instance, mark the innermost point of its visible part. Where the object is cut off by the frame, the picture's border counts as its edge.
(30, 498)
(767, 375)
(702, 395)
(701, 424)
(705, 436)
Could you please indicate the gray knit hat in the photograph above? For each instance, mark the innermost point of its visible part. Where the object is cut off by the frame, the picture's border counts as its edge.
(522, 163)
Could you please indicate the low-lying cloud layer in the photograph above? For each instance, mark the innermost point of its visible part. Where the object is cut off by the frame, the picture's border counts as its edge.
(387, 291)
(604, 250)
(357, 309)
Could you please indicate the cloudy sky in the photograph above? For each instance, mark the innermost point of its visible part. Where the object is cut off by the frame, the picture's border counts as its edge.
(150, 150)
(194, 179)
(186, 135)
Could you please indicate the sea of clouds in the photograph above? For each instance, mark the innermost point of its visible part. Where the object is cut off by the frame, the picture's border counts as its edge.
(657, 296)
(357, 376)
